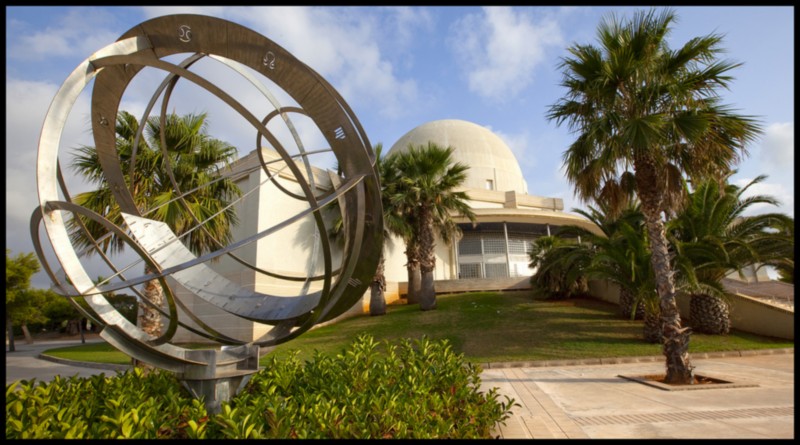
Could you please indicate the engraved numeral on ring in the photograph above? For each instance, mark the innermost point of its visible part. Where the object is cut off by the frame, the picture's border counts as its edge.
(185, 33)
(354, 282)
(339, 132)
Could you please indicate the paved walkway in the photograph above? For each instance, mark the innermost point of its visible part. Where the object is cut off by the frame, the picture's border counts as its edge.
(581, 401)
(25, 364)
(588, 399)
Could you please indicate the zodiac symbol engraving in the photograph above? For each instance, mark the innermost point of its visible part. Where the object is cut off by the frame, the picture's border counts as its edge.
(269, 60)
(185, 33)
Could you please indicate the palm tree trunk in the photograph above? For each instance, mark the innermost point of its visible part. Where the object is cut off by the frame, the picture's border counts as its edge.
(414, 277)
(26, 333)
(377, 300)
(652, 329)
(676, 337)
(627, 303)
(427, 260)
(10, 334)
(709, 314)
(149, 318)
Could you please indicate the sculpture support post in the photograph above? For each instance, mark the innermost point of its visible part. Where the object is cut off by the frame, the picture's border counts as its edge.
(228, 370)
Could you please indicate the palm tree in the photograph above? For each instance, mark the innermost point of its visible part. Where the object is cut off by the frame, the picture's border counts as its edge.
(393, 224)
(397, 222)
(645, 115)
(620, 253)
(713, 238)
(425, 194)
(785, 266)
(624, 258)
(200, 194)
(560, 266)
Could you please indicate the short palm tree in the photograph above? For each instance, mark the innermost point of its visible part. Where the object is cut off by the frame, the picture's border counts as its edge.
(559, 266)
(713, 238)
(617, 257)
(196, 160)
(426, 195)
(624, 258)
(619, 254)
(645, 115)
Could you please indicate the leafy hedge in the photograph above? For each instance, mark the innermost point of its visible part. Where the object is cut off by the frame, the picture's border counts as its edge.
(419, 389)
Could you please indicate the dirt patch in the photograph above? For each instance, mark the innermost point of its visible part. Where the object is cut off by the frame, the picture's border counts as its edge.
(700, 382)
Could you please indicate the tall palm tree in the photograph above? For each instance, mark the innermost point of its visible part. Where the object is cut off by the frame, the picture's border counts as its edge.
(196, 160)
(393, 224)
(398, 222)
(645, 115)
(713, 238)
(425, 193)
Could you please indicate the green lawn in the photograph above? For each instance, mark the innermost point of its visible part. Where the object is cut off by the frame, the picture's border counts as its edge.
(491, 327)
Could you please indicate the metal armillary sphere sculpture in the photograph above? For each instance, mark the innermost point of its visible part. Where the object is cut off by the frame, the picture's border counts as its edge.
(215, 374)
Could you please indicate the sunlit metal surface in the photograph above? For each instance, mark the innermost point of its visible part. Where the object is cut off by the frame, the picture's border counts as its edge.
(356, 191)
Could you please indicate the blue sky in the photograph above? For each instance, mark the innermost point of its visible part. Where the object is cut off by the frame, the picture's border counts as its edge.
(401, 67)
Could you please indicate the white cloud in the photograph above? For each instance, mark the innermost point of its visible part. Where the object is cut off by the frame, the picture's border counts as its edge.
(27, 103)
(405, 21)
(342, 46)
(501, 48)
(79, 32)
(777, 147)
(157, 11)
(778, 191)
(774, 157)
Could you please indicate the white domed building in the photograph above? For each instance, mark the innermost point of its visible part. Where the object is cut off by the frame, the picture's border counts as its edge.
(492, 164)
(495, 251)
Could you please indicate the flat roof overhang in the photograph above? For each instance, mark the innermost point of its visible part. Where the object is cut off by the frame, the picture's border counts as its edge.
(530, 216)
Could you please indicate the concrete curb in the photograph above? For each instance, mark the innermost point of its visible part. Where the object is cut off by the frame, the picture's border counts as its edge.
(640, 359)
(93, 365)
(499, 365)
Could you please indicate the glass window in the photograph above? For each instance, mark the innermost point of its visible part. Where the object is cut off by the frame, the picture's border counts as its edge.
(494, 243)
(470, 270)
(470, 244)
(496, 270)
(519, 243)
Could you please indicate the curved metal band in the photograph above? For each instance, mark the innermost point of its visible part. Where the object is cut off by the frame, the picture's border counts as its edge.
(112, 68)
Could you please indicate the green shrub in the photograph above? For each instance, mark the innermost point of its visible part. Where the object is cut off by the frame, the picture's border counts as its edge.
(418, 389)
(133, 404)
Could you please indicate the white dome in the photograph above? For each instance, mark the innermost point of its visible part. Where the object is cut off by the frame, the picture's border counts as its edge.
(492, 164)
